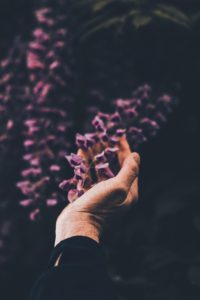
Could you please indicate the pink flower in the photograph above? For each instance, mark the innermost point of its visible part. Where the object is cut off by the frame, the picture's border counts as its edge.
(52, 202)
(137, 119)
(34, 214)
(48, 123)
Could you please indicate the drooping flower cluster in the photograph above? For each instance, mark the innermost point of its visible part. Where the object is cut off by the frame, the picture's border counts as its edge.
(50, 43)
(42, 89)
(47, 124)
(135, 119)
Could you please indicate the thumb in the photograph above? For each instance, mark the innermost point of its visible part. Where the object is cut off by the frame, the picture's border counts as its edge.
(129, 171)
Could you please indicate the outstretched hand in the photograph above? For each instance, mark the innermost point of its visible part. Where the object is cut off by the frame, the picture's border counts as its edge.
(95, 209)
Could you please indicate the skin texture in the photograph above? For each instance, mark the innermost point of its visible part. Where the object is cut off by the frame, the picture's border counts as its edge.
(106, 201)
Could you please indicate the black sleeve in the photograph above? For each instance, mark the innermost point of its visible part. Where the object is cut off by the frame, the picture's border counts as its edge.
(80, 275)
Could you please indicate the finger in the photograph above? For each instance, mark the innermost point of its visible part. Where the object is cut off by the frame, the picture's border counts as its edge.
(116, 188)
(133, 192)
(124, 150)
(83, 154)
(88, 180)
(129, 171)
(132, 195)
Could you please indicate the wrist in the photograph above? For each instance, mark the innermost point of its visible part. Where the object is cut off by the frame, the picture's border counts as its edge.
(76, 224)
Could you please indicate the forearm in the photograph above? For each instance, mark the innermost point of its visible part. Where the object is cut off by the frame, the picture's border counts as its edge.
(78, 270)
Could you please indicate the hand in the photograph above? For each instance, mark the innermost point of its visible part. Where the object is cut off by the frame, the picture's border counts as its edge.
(94, 210)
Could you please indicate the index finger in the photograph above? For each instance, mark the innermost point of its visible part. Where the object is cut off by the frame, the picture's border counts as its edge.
(124, 150)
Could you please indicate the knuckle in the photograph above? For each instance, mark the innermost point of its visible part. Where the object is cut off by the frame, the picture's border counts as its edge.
(134, 167)
(120, 188)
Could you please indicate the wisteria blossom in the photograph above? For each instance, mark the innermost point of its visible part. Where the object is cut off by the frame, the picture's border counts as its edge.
(39, 76)
(135, 119)
(47, 125)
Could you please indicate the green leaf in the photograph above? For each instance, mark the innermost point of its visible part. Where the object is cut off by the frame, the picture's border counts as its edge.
(172, 14)
(97, 20)
(94, 5)
(134, 12)
(99, 5)
(104, 25)
(141, 20)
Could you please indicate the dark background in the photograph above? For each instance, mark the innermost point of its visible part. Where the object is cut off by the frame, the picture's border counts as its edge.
(155, 252)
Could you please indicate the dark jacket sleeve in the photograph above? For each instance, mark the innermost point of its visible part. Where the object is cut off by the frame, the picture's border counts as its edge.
(80, 275)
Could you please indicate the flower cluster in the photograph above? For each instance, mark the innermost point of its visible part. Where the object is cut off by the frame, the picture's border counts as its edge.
(135, 119)
(47, 49)
(47, 124)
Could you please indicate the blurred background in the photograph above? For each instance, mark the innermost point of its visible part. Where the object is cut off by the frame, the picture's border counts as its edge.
(117, 45)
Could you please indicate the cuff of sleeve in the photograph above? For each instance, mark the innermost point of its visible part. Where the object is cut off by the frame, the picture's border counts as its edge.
(77, 249)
